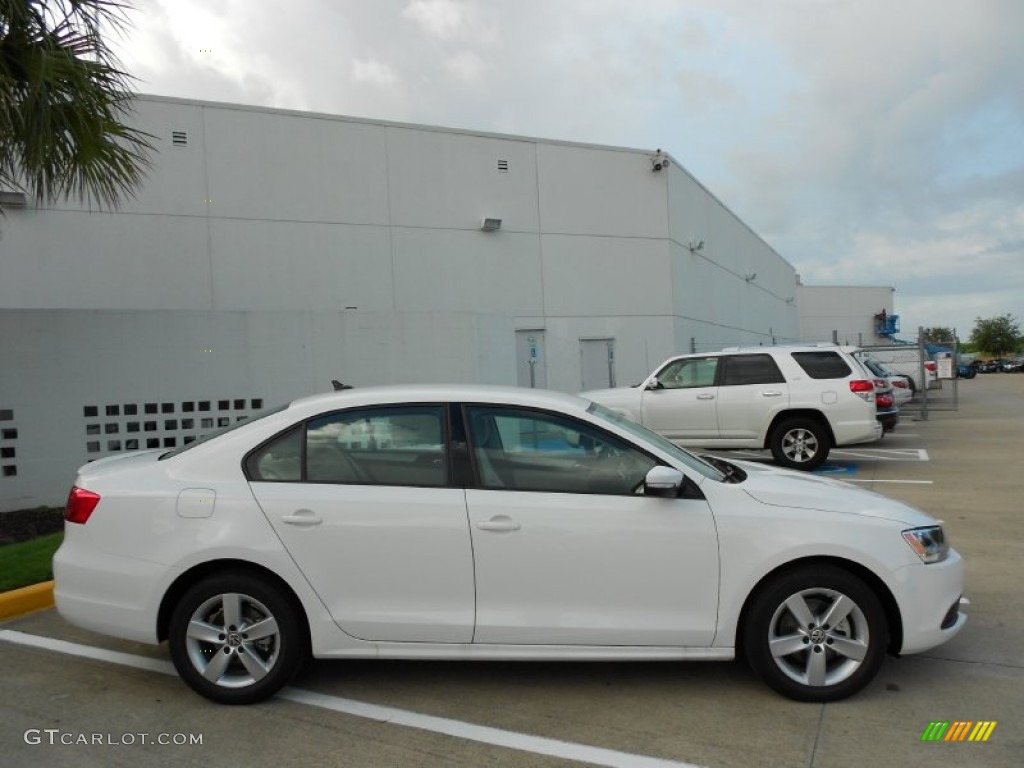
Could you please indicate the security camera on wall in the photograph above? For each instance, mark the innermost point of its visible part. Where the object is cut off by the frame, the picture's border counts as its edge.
(659, 160)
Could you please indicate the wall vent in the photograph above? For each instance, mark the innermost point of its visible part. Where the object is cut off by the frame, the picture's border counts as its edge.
(179, 138)
(503, 166)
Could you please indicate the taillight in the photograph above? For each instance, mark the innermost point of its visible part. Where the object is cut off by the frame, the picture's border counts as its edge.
(899, 383)
(81, 503)
(863, 388)
(883, 401)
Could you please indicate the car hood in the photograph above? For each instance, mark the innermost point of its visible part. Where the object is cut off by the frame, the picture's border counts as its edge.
(786, 488)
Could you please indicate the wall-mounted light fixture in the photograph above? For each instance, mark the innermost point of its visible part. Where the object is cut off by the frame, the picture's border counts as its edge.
(659, 160)
(696, 246)
(490, 225)
(751, 277)
(12, 199)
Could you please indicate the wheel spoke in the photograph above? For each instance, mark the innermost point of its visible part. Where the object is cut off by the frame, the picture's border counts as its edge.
(205, 633)
(215, 669)
(838, 611)
(800, 610)
(261, 629)
(784, 646)
(257, 668)
(851, 649)
(232, 605)
(816, 668)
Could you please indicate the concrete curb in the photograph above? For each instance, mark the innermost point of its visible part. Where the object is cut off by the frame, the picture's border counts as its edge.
(36, 597)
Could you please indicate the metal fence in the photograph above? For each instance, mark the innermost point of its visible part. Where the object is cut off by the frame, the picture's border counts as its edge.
(934, 390)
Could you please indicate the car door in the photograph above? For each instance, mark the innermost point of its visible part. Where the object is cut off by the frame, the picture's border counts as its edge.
(568, 549)
(363, 502)
(751, 391)
(683, 405)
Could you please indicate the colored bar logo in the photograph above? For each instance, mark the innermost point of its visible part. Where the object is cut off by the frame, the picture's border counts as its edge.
(958, 730)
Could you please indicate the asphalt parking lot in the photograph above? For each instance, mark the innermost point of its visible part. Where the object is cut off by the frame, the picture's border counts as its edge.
(114, 705)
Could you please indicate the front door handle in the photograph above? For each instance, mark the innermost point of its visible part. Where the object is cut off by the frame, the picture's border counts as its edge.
(706, 397)
(771, 393)
(498, 523)
(303, 518)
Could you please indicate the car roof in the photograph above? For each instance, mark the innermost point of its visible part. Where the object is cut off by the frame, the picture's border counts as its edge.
(433, 393)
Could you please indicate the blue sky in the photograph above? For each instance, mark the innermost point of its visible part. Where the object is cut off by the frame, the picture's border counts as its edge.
(870, 142)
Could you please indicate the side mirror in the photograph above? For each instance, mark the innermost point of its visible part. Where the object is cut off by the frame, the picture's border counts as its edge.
(662, 481)
(653, 383)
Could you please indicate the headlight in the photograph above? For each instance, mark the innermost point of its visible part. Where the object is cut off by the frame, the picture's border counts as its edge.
(929, 543)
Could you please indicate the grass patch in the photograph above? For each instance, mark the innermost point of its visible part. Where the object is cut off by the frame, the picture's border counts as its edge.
(28, 562)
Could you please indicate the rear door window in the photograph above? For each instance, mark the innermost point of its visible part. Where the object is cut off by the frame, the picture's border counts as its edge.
(750, 369)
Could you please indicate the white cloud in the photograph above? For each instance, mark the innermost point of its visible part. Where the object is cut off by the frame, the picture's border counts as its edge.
(374, 72)
(442, 19)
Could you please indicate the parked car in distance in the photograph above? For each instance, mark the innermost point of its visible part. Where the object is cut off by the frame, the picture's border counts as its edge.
(799, 402)
(906, 362)
(1013, 366)
(467, 522)
(902, 386)
(991, 366)
(888, 414)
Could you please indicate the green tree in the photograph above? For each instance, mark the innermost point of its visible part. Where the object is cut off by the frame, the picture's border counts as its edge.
(64, 101)
(996, 335)
(937, 334)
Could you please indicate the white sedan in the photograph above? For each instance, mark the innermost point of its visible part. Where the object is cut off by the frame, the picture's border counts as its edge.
(483, 523)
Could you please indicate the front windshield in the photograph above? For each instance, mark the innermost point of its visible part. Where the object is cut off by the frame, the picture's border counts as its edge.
(643, 433)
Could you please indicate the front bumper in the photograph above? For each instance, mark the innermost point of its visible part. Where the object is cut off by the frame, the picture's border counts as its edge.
(929, 597)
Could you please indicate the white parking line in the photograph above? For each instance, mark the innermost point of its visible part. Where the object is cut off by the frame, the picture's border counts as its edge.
(905, 482)
(885, 454)
(509, 739)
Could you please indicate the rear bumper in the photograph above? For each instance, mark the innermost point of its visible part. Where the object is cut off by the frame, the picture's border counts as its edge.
(129, 589)
(857, 432)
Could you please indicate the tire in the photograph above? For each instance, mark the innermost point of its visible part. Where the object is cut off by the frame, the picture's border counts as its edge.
(790, 643)
(219, 656)
(800, 443)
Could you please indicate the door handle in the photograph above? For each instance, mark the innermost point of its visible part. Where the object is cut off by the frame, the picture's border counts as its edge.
(771, 393)
(303, 518)
(706, 397)
(498, 523)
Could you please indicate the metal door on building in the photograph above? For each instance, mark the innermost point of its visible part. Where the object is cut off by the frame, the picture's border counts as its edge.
(597, 363)
(531, 370)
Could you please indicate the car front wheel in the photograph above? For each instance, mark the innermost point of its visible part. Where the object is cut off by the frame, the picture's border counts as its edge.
(800, 444)
(817, 633)
(235, 638)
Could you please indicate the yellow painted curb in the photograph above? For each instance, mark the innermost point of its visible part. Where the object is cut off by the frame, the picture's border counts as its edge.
(25, 600)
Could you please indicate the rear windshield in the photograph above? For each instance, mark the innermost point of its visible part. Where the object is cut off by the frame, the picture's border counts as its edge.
(223, 430)
(822, 365)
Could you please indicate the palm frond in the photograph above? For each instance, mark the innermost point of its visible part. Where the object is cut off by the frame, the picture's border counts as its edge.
(65, 102)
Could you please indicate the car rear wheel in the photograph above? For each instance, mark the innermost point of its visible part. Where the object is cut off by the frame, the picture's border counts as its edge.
(800, 443)
(235, 638)
(816, 634)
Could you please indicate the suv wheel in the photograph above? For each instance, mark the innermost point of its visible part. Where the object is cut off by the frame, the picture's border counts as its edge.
(800, 443)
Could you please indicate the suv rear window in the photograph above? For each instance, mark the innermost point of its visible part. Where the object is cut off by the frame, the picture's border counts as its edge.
(822, 365)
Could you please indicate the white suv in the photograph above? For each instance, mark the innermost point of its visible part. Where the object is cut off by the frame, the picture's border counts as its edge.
(799, 402)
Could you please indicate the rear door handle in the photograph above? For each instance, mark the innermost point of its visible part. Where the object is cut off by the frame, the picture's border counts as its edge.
(705, 397)
(303, 518)
(771, 393)
(498, 523)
